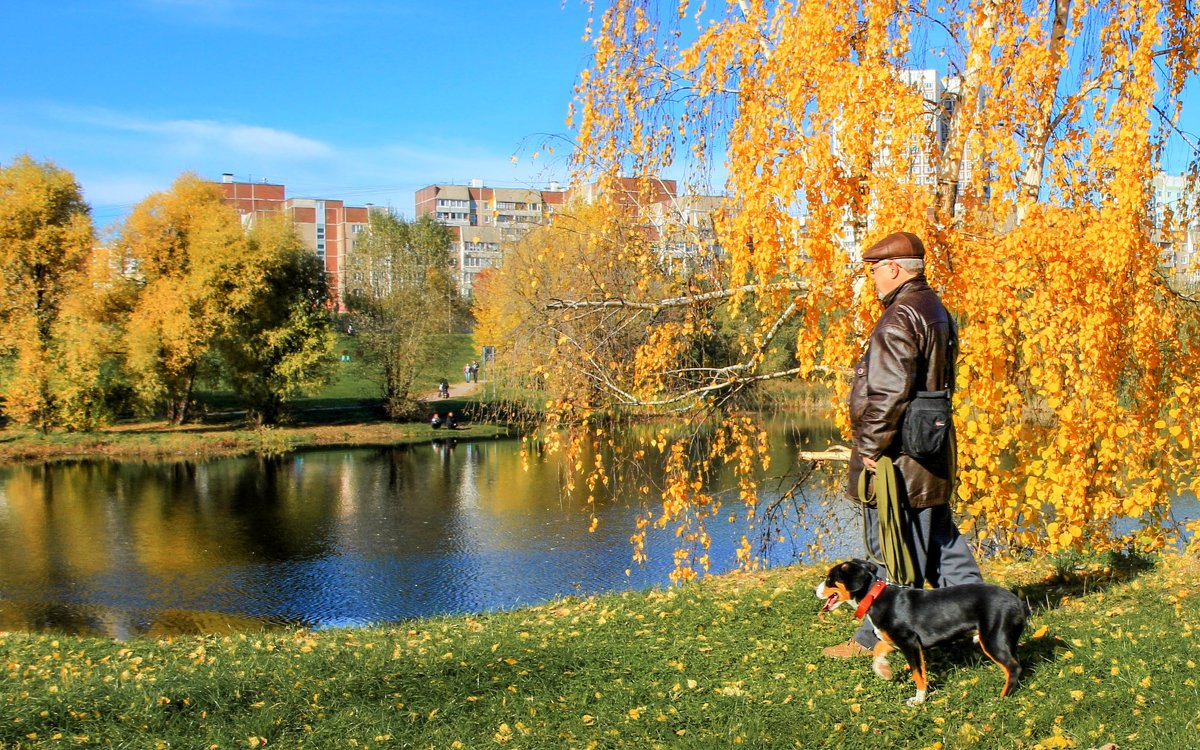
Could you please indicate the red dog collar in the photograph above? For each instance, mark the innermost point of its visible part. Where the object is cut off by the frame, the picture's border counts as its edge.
(869, 599)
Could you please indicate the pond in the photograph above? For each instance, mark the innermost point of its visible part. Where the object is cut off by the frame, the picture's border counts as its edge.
(326, 538)
(352, 537)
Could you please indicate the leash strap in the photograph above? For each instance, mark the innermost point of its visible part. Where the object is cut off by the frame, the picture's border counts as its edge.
(896, 556)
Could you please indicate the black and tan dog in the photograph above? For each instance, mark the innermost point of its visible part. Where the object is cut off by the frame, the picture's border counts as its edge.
(911, 620)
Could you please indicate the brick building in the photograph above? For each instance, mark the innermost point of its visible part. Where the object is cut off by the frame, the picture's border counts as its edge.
(328, 227)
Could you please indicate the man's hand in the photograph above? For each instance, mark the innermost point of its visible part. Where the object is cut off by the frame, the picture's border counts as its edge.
(869, 463)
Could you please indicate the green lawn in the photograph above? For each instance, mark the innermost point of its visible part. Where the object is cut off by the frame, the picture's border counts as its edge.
(356, 381)
(1110, 657)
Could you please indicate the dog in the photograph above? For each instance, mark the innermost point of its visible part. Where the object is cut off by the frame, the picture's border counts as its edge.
(910, 620)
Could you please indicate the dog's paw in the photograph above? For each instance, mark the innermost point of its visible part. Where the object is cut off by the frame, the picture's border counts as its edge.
(917, 699)
(881, 668)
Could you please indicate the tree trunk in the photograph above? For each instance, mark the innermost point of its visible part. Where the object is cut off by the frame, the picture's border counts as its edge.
(1031, 183)
(961, 122)
(177, 406)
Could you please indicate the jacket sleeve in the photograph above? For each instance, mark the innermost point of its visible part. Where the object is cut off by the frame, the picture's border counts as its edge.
(891, 370)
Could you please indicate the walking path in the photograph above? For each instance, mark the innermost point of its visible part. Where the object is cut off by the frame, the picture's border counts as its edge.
(457, 390)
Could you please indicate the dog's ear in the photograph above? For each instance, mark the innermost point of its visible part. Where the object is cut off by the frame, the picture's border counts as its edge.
(860, 574)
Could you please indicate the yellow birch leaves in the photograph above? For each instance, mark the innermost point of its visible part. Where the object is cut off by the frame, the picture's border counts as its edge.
(1024, 160)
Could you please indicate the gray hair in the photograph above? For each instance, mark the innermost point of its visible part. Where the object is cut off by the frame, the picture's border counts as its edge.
(912, 265)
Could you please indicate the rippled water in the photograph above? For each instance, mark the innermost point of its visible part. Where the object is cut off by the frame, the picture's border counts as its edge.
(322, 538)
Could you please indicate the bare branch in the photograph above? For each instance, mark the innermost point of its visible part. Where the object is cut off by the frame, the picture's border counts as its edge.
(794, 286)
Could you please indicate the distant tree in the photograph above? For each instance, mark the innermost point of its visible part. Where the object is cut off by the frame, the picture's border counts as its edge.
(45, 237)
(605, 253)
(400, 300)
(194, 274)
(281, 343)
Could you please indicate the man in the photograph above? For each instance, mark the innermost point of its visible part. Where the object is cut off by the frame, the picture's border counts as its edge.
(912, 348)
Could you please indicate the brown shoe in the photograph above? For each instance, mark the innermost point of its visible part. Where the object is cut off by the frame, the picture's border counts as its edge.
(847, 650)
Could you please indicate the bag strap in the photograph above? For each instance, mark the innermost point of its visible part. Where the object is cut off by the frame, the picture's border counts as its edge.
(896, 556)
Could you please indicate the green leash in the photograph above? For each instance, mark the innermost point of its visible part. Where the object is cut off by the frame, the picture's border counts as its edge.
(896, 557)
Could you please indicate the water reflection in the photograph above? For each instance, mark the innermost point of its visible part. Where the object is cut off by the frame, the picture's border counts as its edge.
(319, 538)
(338, 537)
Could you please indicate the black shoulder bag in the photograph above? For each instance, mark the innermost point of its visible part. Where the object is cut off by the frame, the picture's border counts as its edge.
(926, 427)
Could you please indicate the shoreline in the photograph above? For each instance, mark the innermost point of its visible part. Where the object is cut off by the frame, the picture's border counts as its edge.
(160, 441)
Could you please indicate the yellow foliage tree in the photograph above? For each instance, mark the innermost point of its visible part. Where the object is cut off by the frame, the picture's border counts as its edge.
(593, 251)
(45, 238)
(1077, 401)
(88, 379)
(193, 270)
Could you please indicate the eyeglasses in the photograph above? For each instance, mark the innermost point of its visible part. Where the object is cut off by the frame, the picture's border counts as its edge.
(873, 265)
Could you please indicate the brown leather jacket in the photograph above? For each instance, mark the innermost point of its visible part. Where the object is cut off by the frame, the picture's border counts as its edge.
(912, 348)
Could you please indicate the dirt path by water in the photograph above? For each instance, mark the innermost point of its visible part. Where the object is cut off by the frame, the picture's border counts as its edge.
(457, 390)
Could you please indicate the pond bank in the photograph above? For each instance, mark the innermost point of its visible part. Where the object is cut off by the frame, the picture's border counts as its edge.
(160, 441)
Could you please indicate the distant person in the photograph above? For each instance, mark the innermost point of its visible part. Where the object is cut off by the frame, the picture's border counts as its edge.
(467, 372)
(475, 371)
(436, 421)
(444, 388)
(451, 422)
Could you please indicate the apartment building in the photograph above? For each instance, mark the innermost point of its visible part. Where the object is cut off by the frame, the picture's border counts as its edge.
(328, 227)
(1176, 210)
(482, 218)
(941, 96)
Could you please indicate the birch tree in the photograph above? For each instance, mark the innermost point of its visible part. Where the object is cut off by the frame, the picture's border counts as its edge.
(1077, 405)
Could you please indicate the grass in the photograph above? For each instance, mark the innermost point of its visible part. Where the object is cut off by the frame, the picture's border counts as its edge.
(729, 661)
(355, 381)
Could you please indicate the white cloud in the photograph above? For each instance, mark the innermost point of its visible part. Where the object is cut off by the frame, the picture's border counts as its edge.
(120, 158)
(200, 136)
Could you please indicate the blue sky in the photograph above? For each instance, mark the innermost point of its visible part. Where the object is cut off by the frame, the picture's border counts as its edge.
(364, 100)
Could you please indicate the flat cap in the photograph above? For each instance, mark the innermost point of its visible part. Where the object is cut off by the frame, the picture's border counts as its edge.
(895, 246)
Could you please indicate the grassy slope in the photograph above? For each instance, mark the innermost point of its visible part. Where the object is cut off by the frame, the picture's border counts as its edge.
(353, 381)
(729, 661)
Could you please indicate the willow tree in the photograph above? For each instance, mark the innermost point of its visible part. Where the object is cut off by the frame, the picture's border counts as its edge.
(1077, 400)
(280, 345)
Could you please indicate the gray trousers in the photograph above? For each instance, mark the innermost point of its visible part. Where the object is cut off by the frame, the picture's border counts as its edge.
(940, 553)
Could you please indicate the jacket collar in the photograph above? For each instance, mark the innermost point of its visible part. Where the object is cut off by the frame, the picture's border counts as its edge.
(914, 284)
